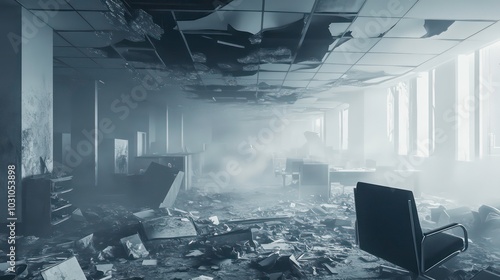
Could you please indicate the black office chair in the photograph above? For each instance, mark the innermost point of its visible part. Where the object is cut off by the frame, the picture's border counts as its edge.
(388, 227)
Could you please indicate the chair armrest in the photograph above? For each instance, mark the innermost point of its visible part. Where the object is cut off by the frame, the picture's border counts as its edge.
(446, 228)
(439, 230)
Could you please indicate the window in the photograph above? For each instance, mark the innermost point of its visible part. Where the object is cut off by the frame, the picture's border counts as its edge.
(432, 113)
(141, 143)
(318, 127)
(422, 92)
(465, 106)
(489, 97)
(403, 118)
(344, 128)
(390, 115)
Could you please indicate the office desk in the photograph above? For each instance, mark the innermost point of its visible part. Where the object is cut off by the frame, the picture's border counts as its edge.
(407, 179)
(350, 177)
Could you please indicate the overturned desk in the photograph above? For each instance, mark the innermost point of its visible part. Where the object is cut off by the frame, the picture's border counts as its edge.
(175, 161)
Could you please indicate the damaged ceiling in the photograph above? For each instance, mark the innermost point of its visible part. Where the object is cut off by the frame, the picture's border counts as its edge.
(259, 51)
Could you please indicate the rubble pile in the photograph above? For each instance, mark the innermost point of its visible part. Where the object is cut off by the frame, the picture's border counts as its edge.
(222, 236)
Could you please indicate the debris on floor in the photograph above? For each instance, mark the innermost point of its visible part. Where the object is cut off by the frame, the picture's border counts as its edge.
(214, 236)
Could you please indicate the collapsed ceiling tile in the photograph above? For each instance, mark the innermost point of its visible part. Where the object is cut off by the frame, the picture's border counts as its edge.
(136, 25)
(305, 67)
(318, 38)
(356, 45)
(220, 20)
(436, 27)
(337, 29)
(274, 67)
(278, 20)
(371, 27)
(251, 67)
(267, 55)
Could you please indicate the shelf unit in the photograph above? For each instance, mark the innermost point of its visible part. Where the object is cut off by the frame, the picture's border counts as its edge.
(43, 203)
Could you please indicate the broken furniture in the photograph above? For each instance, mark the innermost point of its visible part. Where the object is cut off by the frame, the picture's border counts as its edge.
(388, 227)
(175, 161)
(293, 168)
(47, 206)
(168, 227)
(67, 269)
(315, 181)
(151, 188)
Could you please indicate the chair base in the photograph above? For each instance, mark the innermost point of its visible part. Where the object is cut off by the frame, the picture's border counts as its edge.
(402, 272)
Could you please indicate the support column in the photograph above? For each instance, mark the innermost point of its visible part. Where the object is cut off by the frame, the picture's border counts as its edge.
(26, 98)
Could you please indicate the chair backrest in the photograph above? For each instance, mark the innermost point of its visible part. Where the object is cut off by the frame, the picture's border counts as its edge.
(385, 225)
